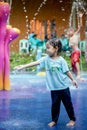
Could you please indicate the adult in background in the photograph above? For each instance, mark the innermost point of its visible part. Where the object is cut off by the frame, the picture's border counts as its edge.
(65, 43)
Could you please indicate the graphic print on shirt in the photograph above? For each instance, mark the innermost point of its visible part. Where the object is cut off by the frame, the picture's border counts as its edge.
(53, 67)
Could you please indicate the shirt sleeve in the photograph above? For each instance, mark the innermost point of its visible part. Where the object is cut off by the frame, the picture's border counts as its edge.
(65, 67)
(42, 62)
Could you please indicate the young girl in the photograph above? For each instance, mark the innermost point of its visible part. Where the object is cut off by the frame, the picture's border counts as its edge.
(74, 38)
(57, 80)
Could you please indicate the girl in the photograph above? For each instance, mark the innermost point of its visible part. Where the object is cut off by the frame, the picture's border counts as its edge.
(57, 73)
(74, 38)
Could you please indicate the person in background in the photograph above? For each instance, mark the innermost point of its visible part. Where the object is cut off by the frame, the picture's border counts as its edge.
(36, 47)
(73, 43)
(44, 43)
(65, 43)
(57, 80)
(46, 38)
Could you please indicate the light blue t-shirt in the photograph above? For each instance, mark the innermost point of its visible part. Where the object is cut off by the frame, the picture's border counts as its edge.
(56, 78)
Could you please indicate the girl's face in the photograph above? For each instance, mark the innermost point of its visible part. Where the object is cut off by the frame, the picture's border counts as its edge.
(71, 32)
(50, 50)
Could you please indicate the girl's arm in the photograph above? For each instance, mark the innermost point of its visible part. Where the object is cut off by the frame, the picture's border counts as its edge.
(80, 23)
(26, 65)
(71, 77)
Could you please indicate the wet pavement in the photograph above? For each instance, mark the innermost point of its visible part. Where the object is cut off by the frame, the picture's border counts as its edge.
(27, 105)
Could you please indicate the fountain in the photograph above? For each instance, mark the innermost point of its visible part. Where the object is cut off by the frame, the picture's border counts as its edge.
(7, 34)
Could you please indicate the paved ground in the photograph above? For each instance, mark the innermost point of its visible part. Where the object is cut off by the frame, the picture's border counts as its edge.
(27, 105)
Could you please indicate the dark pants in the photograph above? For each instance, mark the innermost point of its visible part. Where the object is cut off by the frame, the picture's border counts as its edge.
(64, 96)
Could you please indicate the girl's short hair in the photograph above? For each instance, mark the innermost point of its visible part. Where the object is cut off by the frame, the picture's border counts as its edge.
(55, 42)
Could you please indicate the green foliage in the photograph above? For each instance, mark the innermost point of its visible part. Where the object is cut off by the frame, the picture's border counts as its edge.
(18, 59)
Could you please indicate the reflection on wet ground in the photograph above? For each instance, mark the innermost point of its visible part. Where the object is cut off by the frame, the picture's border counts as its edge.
(27, 105)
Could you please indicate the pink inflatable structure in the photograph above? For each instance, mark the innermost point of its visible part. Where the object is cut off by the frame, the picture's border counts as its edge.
(7, 34)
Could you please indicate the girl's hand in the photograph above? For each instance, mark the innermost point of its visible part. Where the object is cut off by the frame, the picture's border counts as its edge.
(18, 67)
(75, 83)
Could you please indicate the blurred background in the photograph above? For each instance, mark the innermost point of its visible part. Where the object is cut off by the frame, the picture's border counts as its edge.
(45, 17)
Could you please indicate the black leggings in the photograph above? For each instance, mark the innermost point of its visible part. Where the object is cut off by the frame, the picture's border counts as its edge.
(64, 96)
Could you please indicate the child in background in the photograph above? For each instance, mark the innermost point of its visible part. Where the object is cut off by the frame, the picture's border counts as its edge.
(73, 43)
(57, 80)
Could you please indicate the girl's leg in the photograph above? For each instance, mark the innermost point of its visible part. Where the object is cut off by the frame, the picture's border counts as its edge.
(77, 70)
(66, 99)
(55, 107)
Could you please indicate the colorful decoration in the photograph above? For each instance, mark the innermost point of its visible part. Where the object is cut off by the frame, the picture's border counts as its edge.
(7, 34)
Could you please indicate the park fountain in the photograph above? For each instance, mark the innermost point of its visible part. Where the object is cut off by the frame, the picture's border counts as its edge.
(7, 35)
